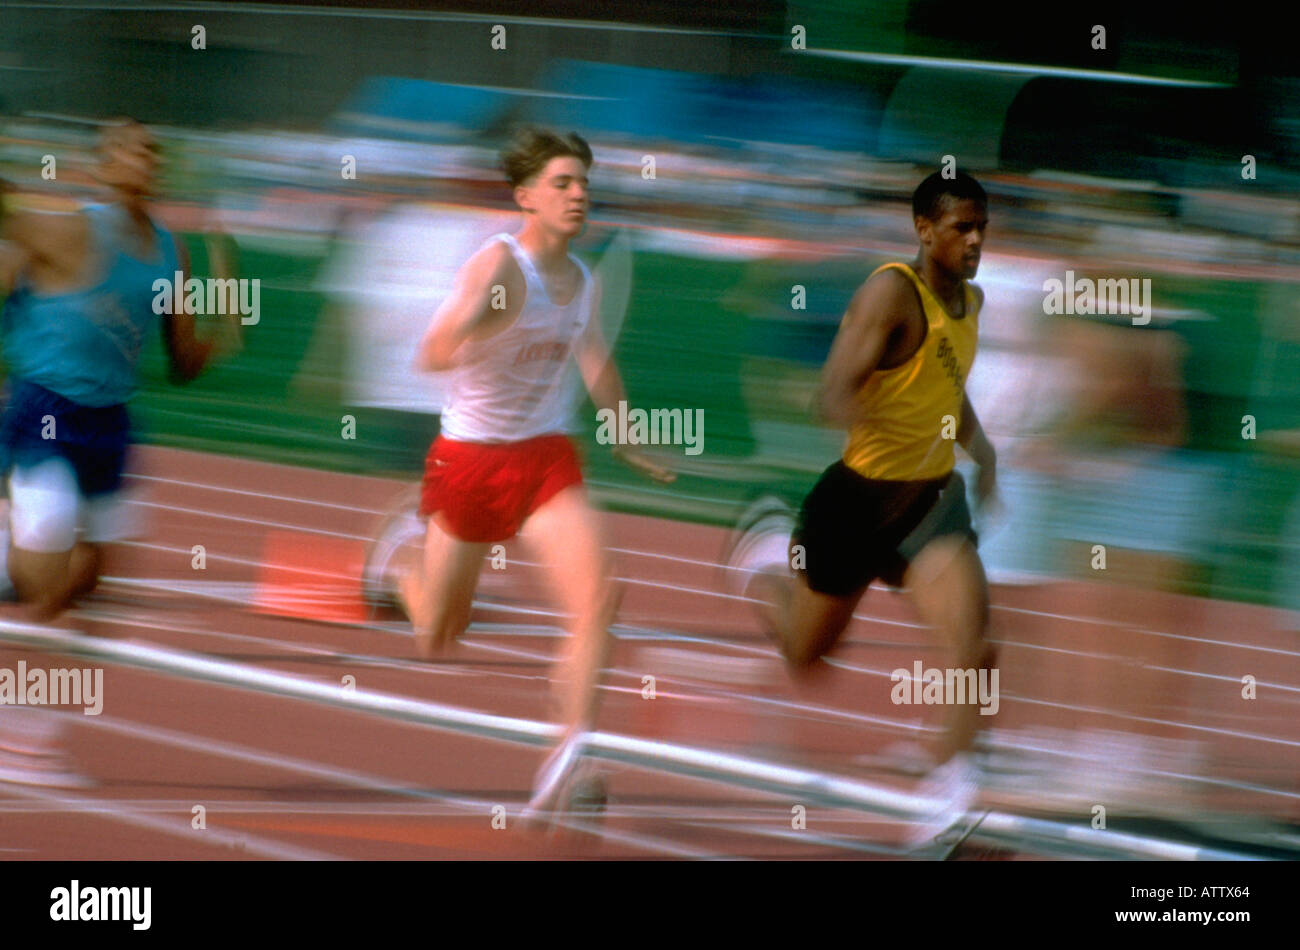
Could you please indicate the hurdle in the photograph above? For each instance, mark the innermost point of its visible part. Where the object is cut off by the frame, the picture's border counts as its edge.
(793, 784)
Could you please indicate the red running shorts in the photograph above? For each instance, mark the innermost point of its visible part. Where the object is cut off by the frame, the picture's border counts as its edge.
(485, 492)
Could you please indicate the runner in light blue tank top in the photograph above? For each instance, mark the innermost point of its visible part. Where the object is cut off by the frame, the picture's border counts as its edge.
(80, 310)
(85, 345)
(74, 356)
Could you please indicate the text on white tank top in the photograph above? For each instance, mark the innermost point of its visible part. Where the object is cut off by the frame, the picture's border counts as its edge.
(522, 382)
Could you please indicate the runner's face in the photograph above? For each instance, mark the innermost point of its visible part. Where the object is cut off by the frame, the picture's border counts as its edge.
(954, 242)
(130, 161)
(557, 195)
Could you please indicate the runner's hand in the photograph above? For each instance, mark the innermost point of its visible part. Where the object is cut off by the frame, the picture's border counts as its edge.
(223, 262)
(990, 510)
(989, 506)
(986, 484)
(644, 465)
(227, 337)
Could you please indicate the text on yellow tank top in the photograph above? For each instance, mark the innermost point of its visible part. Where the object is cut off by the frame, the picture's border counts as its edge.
(909, 414)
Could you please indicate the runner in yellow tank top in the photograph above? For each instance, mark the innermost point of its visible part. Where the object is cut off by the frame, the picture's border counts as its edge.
(894, 434)
(893, 508)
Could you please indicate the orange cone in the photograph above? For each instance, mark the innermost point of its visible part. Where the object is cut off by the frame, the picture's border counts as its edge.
(312, 577)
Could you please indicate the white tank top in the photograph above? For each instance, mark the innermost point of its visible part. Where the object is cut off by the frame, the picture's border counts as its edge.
(522, 382)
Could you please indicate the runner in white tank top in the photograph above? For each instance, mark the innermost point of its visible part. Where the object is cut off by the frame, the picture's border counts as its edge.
(503, 464)
(520, 383)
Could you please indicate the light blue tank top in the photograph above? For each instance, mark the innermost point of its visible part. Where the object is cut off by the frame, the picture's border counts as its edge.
(85, 344)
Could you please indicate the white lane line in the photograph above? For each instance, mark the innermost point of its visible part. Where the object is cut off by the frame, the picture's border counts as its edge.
(804, 710)
(810, 712)
(178, 827)
(1147, 631)
(208, 486)
(358, 780)
(1252, 737)
(807, 710)
(309, 650)
(870, 619)
(226, 516)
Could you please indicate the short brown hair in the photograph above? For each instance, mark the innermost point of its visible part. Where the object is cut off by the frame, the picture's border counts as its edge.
(113, 132)
(531, 148)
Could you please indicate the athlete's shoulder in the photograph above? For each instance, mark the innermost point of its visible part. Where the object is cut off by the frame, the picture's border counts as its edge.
(895, 276)
(160, 225)
(46, 230)
(40, 215)
(888, 295)
(491, 262)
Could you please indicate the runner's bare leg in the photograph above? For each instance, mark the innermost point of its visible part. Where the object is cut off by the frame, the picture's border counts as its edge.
(566, 535)
(439, 595)
(946, 582)
(812, 623)
(42, 581)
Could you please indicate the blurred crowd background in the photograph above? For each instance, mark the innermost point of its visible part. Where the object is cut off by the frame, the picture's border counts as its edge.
(350, 151)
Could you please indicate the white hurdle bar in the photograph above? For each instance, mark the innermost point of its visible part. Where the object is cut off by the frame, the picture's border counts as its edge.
(796, 785)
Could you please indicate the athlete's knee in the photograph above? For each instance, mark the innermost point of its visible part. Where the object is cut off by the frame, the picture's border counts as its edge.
(45, 591)
(609, 599)
(37, 571)
(933, 564)
(971, 649)
(803, 648)
(970, 618)
(83, 584)
(85, 565)
(800, 656)
(594, 594)
(810, 624)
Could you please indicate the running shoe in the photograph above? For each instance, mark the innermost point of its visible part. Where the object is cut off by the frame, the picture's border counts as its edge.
(567, 781)
(760, 543)
(400, 527)
(950, 792)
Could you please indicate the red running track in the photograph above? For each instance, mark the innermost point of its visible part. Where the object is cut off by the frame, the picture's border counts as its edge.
(275, 777)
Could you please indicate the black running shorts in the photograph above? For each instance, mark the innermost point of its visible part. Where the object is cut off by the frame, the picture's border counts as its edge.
(854, 529)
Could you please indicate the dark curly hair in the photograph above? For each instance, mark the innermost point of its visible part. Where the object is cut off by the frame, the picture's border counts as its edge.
(927, 200)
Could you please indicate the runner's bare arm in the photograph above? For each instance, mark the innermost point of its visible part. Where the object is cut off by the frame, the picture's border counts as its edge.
(10, 253)
(11, 265)
(878, 308)
(223, 254)
(605, 386)
(971, 437)
(38, 243)
(468, 310)
(13, 256)
(186, 354)
(970, 434)
(595, 362)
(223, 262)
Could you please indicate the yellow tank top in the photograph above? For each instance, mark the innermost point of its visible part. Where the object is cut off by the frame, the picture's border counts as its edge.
(903, 434)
